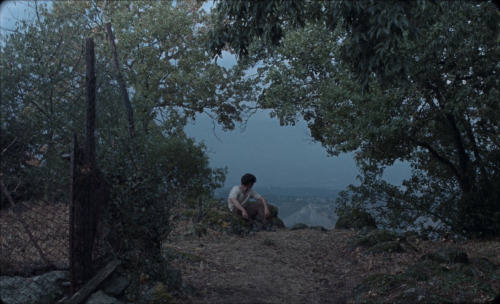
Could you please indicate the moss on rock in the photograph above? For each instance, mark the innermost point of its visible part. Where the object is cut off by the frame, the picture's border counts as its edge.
(159, 295)
(219, 218)
(299, 226)
(375, 237)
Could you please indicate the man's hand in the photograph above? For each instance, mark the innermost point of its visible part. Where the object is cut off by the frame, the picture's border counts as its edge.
(244, 214)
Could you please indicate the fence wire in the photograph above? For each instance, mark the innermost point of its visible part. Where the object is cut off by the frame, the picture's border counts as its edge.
(34, 238)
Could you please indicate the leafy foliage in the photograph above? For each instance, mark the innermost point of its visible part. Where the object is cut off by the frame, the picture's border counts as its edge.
(373, 31)
(169, 77)
(433, 101)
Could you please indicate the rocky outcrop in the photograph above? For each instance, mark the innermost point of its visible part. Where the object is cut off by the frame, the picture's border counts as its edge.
(47, 288)
(52, 287)
(100, 297)
(221, 219)
(378, 241)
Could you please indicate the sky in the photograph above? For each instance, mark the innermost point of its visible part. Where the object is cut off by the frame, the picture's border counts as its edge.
(278, 156)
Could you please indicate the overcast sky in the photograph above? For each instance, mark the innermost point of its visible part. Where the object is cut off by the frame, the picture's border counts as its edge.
(278, 156)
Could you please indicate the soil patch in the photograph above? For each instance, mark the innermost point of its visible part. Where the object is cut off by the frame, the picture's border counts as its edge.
(299, 266)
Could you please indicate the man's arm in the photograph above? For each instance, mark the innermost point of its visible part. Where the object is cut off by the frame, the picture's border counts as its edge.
(238, 206)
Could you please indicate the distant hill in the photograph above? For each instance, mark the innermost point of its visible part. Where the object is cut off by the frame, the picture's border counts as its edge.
(270, 192)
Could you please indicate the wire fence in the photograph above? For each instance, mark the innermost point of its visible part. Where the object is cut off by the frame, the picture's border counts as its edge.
(34, 238)
(49, 223)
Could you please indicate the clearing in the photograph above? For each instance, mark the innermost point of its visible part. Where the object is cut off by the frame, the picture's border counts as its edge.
(291, 266)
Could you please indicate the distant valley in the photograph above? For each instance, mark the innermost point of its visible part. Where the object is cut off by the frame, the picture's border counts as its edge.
(311, 206)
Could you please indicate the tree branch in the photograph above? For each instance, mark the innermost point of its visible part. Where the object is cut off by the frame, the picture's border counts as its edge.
(123, 89)
(440, 158)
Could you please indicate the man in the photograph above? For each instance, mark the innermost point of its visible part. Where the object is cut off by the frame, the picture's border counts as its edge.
(238, 203)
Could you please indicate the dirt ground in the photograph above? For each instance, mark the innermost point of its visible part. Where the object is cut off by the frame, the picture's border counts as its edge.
(300, 266)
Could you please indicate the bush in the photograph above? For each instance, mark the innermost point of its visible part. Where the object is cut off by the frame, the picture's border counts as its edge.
(356, 219)
(144, 188)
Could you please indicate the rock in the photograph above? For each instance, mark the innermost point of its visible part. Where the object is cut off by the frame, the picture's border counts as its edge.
(319, 228)
(221, 219)
(448, 255)
(299, 226)
(158, 294)
(101, 298)
(418, 295)
(424, 270)
(355, 219)
(115, 286)
(310, 216)
(46, 288)
(483, 264)
(274, 219)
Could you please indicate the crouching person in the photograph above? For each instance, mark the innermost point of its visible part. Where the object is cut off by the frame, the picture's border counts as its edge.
(238, 203)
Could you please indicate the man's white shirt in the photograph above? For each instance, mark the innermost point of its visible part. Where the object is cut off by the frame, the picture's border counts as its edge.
(241, 197)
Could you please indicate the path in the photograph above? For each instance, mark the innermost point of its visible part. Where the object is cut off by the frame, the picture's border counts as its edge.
(301, 266)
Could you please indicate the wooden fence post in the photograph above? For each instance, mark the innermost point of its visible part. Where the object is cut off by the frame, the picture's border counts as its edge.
(84, 178)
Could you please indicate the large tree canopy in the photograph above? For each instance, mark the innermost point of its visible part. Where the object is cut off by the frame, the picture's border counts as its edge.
(168, 77)
(167, 72)
(433, 69)
(374, 31)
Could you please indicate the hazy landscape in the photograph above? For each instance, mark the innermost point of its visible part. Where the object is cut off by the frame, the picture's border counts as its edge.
(311, 206)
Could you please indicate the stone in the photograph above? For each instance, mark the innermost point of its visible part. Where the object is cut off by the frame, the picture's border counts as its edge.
(46, 288)
(101, 298)
(299, 226)
(319, 228)
(115, 286)
(418, 295)
(158, 294)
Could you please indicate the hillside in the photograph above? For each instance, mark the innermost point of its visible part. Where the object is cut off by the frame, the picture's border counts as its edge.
(312, 266)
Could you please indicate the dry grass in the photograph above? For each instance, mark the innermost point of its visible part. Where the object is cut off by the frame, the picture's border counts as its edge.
(301, 266)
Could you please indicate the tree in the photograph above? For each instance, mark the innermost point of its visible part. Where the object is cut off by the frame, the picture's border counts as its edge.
(374, 30)
(41, 84)
(170, 77)
(442, 117)
(168, 74)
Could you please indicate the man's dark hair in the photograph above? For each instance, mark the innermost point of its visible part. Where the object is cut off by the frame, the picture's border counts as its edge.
(248, 179)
